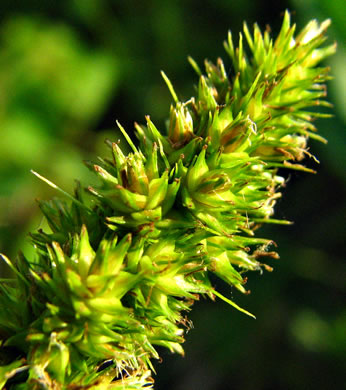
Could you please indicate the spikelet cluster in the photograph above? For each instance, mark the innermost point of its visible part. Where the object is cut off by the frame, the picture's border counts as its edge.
(124, 260)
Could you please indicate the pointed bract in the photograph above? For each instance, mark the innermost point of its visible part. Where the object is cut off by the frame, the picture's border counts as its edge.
(118, 270)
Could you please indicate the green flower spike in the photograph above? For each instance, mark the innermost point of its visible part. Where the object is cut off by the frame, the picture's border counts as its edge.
(124, 261)
(134, 188)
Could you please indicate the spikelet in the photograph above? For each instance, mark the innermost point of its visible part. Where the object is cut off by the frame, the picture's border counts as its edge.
(118, 271)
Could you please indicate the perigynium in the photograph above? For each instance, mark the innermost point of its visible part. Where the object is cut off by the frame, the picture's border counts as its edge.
(124, 261)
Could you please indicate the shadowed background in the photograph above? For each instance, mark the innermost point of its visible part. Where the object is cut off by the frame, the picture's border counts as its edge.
(69, 69)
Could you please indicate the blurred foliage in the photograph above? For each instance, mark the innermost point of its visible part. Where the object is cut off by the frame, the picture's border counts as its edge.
(53, 89)
(69, 69)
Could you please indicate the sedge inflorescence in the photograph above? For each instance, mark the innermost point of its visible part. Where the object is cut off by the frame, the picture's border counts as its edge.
(124, 260)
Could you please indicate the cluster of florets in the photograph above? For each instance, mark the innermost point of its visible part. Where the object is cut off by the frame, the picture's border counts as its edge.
(120, 268)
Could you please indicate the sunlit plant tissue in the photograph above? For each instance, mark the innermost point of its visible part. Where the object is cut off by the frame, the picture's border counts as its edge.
(126, 259)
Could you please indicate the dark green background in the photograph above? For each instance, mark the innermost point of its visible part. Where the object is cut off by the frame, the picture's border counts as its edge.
(69, 69)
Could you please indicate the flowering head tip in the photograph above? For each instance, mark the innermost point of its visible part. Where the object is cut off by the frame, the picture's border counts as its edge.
(115, 274)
